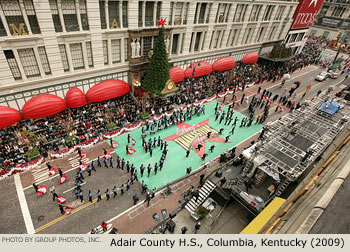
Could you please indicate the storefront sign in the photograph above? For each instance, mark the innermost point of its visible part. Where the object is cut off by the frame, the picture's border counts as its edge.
(305, 13)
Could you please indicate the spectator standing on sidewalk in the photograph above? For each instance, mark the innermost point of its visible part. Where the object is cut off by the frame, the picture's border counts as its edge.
(148, 197)
(135, 199)
(197, 227)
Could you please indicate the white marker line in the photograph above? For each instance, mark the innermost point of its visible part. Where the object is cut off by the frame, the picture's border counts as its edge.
(24, 206)
(40, 173)
(73, 157)
(43, 176)
(64, 172)
(73, 188)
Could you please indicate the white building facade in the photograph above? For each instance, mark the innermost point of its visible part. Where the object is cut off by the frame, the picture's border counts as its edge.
(49, 46)
(333, 21)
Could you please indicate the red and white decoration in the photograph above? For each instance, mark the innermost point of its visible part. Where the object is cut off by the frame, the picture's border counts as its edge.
(61, 200)
(108, 155)
(115, 145)
(62, 179)
(22, 167)
(41, 190)
(83, 166)
(52, 172)
(68, 210)
(131, 151)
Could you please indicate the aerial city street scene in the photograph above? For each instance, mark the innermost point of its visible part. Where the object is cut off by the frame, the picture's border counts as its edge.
(174, 117)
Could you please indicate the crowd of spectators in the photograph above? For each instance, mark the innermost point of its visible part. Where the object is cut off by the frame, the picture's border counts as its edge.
(73, 126)
(65, 129)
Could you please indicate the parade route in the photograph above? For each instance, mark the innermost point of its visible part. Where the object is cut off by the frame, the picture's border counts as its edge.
(176, 162)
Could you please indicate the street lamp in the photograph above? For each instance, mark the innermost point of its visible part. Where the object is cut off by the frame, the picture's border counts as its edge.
(137, 85)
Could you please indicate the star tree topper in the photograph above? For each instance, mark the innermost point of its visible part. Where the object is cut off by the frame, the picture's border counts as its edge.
(161, 22)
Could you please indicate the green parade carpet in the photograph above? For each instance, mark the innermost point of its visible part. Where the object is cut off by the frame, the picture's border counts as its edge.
(176, 163)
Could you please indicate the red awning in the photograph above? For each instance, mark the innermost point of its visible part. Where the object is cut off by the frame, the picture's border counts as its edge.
(176, 74)
(8, 116)
(106, 90)
(250, 58)
(75, 98)
(43, 105)
(200, 69)
(224, 63)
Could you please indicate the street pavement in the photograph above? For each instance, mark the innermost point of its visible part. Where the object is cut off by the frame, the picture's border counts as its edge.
(46, 217)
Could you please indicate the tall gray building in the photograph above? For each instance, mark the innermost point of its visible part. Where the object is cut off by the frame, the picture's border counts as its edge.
(333, 20)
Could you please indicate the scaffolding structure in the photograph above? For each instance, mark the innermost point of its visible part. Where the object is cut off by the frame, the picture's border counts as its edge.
(293, 143)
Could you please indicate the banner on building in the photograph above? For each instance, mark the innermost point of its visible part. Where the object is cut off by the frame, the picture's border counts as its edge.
(306, 13)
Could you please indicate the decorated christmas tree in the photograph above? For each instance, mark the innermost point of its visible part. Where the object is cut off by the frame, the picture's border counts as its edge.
(157, 73)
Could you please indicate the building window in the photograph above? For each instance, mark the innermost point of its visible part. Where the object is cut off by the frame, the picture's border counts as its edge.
(220, 14)
(254, 15)
(149, 19)
(103, 15)
(89, 54)
(70, 15)
(280, 12)
(146, 44)
(272, 33)
(116, 54)
(44, 60)
(126, 49)
(196, 44)
(29, 63)
(113, 12)
(175, 43)
(338, 11)
(55, 16)
(192, 38)
(14, 17)
(185, 13)
(159, 7)
(140, 14)
(300, 36)
(182, 43)
(105, 51)
(64, 57)
(261, 34)
(248, 35)
(125, 14)
(178, 13)
(33, 21)
(204, 36)
(83, 15)
(11, 60)
(2, 29)
(324, 9)
(210, 6)
(76, 51)
(268, 12)
(216, 41)
(202, 13)
(240, 12)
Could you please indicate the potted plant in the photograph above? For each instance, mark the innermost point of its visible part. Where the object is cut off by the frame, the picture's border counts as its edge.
(202, 212)
(33, 154)
(144, 114)
(70, 140)
(111, 126)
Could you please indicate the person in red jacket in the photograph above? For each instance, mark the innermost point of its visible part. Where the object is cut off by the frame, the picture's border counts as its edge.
(104, 226)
